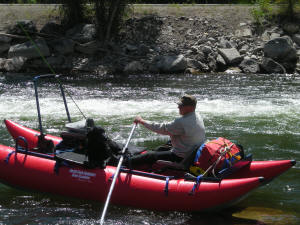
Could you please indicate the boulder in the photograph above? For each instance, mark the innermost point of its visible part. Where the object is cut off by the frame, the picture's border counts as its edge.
(82, 33)
(22, 25)
(171, 64)
(14, 64)
(233, 70)
(249, 66)
(197, 65)
(52, 28)
(4, 47)
(291, 28)
(223, 43)
(221, 64)
(282, 51)
(245, 32)
(133, 67)
(4, 38)
(88, 48)
(296, 39)
(230, 55)
(29, 50)
(271, 66)
(62, 46)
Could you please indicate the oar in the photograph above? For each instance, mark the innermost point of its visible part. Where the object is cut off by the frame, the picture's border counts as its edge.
(116, 175)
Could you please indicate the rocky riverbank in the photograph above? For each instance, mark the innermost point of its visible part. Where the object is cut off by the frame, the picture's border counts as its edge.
(154, 44)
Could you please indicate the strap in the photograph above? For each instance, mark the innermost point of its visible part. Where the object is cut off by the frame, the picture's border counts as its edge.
(167, 186)
(8, 156)
(199, 178)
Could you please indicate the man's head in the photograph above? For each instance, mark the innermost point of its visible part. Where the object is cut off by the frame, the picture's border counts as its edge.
(187, 104)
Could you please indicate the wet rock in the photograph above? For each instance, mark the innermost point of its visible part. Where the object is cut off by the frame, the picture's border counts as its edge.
(271, 66)
(249, 66)
(29, 50)
(82, 33)
(230, 55)
(14, 64)
(22, 25)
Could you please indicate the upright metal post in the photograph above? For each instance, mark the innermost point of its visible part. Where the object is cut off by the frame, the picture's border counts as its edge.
(38, 104)
(65, 102)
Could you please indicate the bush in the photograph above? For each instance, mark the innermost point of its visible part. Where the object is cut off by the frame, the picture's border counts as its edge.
(262, 11)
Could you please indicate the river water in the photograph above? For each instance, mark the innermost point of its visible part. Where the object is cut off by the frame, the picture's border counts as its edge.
(261, 112)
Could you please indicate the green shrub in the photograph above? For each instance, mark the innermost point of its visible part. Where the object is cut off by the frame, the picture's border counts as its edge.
(262, 10)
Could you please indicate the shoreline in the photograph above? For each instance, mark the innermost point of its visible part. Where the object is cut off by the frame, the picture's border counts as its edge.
(155, 39)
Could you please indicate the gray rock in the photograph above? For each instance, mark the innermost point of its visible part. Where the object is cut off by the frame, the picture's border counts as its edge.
(223, 43)
(131, 48)
(274, 35)
(221, 64)
(62, 46)
(133, 67)
(4, 38)
(14, 64)
(246, 32)
(197, 65)
(233, 70)
(230, 55)
(206, 49)
(266, 35)
(4, 47)
(291, 28)
(282, 51)
(143, 50)
(296, 39)
(177, 63)
(29, 50)
(271, 66)
(249, 66)
(82, 33)
(89, 48)
(52, 28)
(22, 25)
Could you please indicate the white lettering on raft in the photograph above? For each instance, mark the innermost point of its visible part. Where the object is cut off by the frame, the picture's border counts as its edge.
(82, 174)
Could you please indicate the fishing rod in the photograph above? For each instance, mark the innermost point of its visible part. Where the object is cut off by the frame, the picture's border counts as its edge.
(45, 60)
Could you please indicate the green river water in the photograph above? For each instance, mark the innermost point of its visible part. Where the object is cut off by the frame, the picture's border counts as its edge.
(261, 112)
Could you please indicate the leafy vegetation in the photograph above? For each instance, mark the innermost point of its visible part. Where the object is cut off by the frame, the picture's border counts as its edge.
(262, 11)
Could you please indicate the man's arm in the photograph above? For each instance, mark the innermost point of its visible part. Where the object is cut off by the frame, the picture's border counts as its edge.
(171, 128)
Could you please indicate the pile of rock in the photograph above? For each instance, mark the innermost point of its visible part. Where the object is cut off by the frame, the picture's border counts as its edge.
(152, 45)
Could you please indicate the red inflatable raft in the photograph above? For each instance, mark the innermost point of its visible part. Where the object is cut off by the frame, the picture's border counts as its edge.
(136, 190)
(266, 169)
(139, 189)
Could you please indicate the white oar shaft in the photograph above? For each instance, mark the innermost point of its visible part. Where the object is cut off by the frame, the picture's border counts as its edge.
(116, 175)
